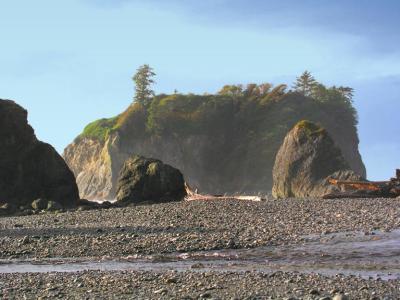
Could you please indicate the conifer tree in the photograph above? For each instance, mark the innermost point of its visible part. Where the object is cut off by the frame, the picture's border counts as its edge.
(305, 83)
(143, 80)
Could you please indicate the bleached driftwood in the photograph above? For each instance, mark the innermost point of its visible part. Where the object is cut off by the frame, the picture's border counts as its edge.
(193, 196)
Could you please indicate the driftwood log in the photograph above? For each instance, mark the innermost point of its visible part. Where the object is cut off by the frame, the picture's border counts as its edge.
(367, 189)
(193, 195)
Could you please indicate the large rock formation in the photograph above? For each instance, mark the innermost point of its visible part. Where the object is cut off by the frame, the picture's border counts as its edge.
(306, 160)
(221, 144)
(30, 169)
(149, 180)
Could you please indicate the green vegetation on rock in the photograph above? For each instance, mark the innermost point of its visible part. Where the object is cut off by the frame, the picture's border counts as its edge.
(99, 129)
(227, 141)
(236, 105)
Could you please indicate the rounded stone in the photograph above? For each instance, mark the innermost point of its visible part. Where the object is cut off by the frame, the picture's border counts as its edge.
(149, 180)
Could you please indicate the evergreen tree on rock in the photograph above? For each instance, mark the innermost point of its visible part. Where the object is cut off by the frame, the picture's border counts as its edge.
(305, 84)
(143, 81)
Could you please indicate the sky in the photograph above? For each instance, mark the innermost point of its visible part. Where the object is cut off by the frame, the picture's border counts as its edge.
(69, 62)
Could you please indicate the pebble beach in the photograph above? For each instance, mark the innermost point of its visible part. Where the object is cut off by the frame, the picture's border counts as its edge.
(187, 227)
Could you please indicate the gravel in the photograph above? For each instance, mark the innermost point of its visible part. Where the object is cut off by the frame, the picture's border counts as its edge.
(190, 226)
(191, 285)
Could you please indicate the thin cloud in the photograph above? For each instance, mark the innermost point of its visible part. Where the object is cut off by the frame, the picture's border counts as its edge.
(376, 21)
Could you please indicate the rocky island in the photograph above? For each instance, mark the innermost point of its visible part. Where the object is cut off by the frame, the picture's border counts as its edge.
(222, 143)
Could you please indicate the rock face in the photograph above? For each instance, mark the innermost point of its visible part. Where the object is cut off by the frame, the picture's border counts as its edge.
(30, 169)
(231, 150)
(306, 159)
(149, 180)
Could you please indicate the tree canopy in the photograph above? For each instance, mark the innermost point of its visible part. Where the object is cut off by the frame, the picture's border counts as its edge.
(177, 113)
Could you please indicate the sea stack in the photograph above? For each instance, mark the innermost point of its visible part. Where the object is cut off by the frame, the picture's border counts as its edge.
(306, 160)
(29, 168)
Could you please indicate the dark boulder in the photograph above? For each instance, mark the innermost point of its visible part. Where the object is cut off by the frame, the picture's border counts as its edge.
(54, 206)
(30, 169)
(39, 204)
(306, 160)
(149, 180)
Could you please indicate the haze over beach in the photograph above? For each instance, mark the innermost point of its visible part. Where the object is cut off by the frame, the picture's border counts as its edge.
(71, 62)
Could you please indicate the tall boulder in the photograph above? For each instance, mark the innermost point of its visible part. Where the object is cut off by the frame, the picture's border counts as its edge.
(306, 160)
(149, 180)
(29, 168)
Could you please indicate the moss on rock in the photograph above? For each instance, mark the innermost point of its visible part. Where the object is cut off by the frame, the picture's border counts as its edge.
(310, 128)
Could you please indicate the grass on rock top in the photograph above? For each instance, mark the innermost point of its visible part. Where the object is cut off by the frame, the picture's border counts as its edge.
(100, 129)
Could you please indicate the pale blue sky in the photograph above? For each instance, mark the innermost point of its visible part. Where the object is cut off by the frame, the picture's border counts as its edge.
(70, 62)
